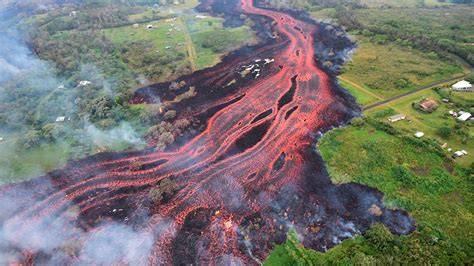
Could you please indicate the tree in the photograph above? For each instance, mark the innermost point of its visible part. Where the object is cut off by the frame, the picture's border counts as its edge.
(31, 138)
(444, 132)
(403, 176)
(182, 123)
(357, 121)
(135, 165)
(50, 131)
(151, 113)
(155, 194)
(167, 138)
(169, 115)
(167, 186)
(163, 191)
(380, 237)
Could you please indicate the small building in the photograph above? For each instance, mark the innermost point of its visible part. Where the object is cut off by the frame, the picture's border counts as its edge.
(60, 119)
(396, 118)
(445, 100)
(201, 16)
(135, 26)
(73, 13)
(428, 105)
(460, 153)
(84, 83)
(419, 134)
(149, 26)
(462, 86)
(464, 116)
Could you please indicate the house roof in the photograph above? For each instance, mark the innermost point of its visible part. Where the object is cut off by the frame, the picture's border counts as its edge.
(465, 116)
(419, 134)
(428, 104)
(462, 84)
(395, 117)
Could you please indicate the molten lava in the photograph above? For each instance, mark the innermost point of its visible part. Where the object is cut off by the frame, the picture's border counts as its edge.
(242, 183)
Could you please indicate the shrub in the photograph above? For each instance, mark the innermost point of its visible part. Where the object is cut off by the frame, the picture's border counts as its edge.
(444, 132)
(403, 176)
(357, 121)
(380, 237)
(384, 113)
(31, 138)
(169, 115)
(163, 191)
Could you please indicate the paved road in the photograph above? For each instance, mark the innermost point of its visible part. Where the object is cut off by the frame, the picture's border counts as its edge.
(416, 90)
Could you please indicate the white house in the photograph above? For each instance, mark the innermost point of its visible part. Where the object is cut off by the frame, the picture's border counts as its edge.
(419, 134)
(60, 119)
(464, 116)
(462, 86)
(396, 118)
(460, 153)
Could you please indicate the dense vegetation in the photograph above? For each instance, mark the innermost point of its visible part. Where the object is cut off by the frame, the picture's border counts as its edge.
(414, 175)
(108, 47)
(450, 26)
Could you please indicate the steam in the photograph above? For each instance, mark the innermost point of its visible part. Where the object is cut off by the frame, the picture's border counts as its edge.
(109, 243)
(18, 62)
(49, 96)
(124, 133)
(117, 242)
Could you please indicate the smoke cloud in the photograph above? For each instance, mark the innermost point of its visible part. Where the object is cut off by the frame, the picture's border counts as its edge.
(124, 133)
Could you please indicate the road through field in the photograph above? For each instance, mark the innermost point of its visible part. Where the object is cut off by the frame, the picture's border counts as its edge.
(391, 99)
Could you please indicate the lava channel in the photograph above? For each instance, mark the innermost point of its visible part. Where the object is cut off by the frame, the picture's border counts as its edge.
(242, 183)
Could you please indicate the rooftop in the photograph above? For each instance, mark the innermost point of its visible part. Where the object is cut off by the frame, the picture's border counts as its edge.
(462, 84)
(427, 104)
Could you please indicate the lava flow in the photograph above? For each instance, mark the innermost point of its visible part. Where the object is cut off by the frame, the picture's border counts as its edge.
(241, 183)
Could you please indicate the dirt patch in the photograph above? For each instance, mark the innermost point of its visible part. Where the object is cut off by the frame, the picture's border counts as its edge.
(420, 170)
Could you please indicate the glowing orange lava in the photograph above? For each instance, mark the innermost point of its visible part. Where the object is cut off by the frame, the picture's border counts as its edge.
(243, 181)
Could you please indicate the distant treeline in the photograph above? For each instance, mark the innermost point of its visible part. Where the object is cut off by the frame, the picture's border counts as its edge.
(414, 34)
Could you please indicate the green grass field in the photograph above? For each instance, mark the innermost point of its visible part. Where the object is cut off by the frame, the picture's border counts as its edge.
(432, 188)
(387, 70)
(430, 122)
(436, 192)
(363, 95)
(17, 165)
(184, 35)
